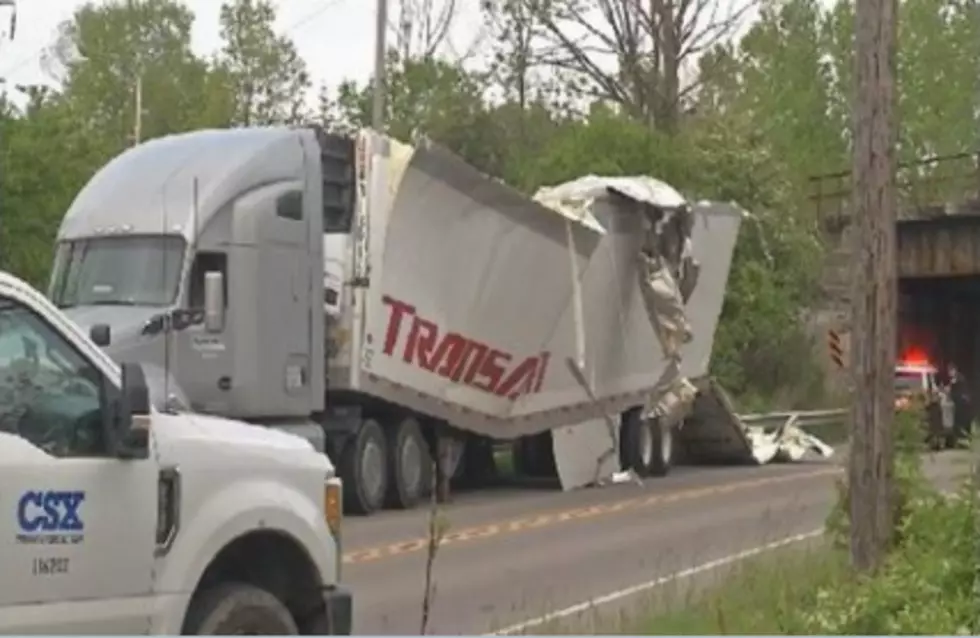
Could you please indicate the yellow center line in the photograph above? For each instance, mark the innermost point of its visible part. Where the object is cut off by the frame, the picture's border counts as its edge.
(555, 517)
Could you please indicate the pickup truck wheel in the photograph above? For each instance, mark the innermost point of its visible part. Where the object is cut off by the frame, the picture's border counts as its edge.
(409, 465)
(645, 447)
(364, 469)
(238, 609)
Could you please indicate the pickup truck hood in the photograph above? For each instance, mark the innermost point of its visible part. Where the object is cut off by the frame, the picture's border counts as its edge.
(195, 438)
(190, 437)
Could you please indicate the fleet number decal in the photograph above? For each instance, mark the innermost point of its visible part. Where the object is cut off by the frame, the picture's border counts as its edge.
(49, 566)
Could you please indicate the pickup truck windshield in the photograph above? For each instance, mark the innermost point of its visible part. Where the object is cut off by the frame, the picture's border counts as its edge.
(121, 271)
(908, 382)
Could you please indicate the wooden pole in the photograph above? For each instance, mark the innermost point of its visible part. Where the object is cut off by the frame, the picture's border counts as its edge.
(138, 112)
(874, 304)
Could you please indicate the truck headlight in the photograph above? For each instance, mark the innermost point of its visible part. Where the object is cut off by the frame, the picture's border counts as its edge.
(333, 511)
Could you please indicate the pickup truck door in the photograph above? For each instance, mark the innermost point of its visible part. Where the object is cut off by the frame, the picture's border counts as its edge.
(77, 526)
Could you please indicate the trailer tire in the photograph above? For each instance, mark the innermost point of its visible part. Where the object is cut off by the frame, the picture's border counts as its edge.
(644, 446)
(409, 465)
(235, 609)
(364, 469)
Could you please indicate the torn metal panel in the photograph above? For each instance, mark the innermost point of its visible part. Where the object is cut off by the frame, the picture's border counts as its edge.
(713, 433)
(574, 448)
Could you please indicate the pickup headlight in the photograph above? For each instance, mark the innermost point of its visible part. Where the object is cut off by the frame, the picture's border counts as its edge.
(333, 512)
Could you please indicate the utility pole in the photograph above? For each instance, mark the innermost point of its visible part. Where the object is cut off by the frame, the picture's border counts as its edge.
(138, 115)
(12, 5)
(871, 470)
(380, 81)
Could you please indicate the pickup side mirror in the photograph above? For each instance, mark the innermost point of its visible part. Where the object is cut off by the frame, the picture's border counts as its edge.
(130, 428)
(100, 334)
(214, 301)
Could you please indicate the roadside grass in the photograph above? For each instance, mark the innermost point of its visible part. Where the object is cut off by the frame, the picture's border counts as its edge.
(762, 596)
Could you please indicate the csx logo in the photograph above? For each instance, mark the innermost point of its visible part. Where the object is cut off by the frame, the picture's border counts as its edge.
(50, 511)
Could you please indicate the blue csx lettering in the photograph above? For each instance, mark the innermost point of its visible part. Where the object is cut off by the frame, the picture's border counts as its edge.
(50, 511)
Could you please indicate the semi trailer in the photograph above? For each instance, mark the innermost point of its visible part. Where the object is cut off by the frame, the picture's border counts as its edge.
(385, 299)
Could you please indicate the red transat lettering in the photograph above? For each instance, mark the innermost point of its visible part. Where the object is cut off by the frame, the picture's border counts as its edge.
(398, 310)
(479, 352)
(421, 341)
(491, 370)
(461, 359)
(448, 357)
(520, 380)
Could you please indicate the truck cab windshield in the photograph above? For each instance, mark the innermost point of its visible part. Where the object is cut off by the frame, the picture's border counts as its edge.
(120, 271)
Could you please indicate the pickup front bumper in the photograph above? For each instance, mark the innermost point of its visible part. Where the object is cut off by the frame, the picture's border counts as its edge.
(338, 612)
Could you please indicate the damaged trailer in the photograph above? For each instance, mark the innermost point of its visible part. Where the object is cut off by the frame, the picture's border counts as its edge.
(385, 300)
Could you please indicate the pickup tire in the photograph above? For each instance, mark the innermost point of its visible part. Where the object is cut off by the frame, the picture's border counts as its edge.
(409, 465)
(238, 609)
(364, 469)
(644, 446)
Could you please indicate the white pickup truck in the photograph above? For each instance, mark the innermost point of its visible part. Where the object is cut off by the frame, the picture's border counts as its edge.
(116, 518)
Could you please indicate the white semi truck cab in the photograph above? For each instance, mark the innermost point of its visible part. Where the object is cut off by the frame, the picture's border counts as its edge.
(116, 518)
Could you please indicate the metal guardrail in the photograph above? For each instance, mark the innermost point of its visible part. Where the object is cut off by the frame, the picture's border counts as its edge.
(800, 418)
(804, 419)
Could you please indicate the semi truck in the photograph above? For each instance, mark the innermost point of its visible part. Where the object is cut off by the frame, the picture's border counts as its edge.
(385, 299)
(122, 519)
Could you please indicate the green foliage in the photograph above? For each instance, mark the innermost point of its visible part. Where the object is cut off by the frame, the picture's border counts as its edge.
(262, 73)
(925, 587)
(910, 485)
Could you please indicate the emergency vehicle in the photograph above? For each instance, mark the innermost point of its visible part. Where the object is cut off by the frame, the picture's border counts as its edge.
(916, 384)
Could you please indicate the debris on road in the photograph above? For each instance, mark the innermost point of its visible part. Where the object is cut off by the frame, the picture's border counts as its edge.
(714, 433)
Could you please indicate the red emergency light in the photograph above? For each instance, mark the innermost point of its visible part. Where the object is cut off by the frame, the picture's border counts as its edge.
(914, 357)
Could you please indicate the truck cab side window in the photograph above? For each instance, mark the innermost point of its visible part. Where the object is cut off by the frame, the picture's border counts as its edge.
(50, 394)
(206, 262)
(290, 206)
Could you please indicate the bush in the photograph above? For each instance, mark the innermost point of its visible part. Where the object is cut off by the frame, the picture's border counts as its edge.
(910, 480)
(926, 587)
(927, 582)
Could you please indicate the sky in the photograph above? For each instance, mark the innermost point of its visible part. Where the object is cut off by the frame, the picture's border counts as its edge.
(335, 37)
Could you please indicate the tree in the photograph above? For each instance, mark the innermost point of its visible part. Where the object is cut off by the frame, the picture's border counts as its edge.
(44, 160)
(427, 96)
(633, 54)
(423, 27)
(106, 48)
(265, 76)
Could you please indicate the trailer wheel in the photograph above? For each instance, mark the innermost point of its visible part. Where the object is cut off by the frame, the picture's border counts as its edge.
(409, 465)
(364, 469)
(238, 609)
(644, 446)
(663, 442)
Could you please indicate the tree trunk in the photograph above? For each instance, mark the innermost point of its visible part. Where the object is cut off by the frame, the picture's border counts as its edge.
(874, 304)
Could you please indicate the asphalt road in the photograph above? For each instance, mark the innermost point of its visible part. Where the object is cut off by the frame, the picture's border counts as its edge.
(512, 555)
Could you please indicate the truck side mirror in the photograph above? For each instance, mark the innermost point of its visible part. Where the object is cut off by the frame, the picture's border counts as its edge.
(100, 334)
(214, 301)
(130, 428)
